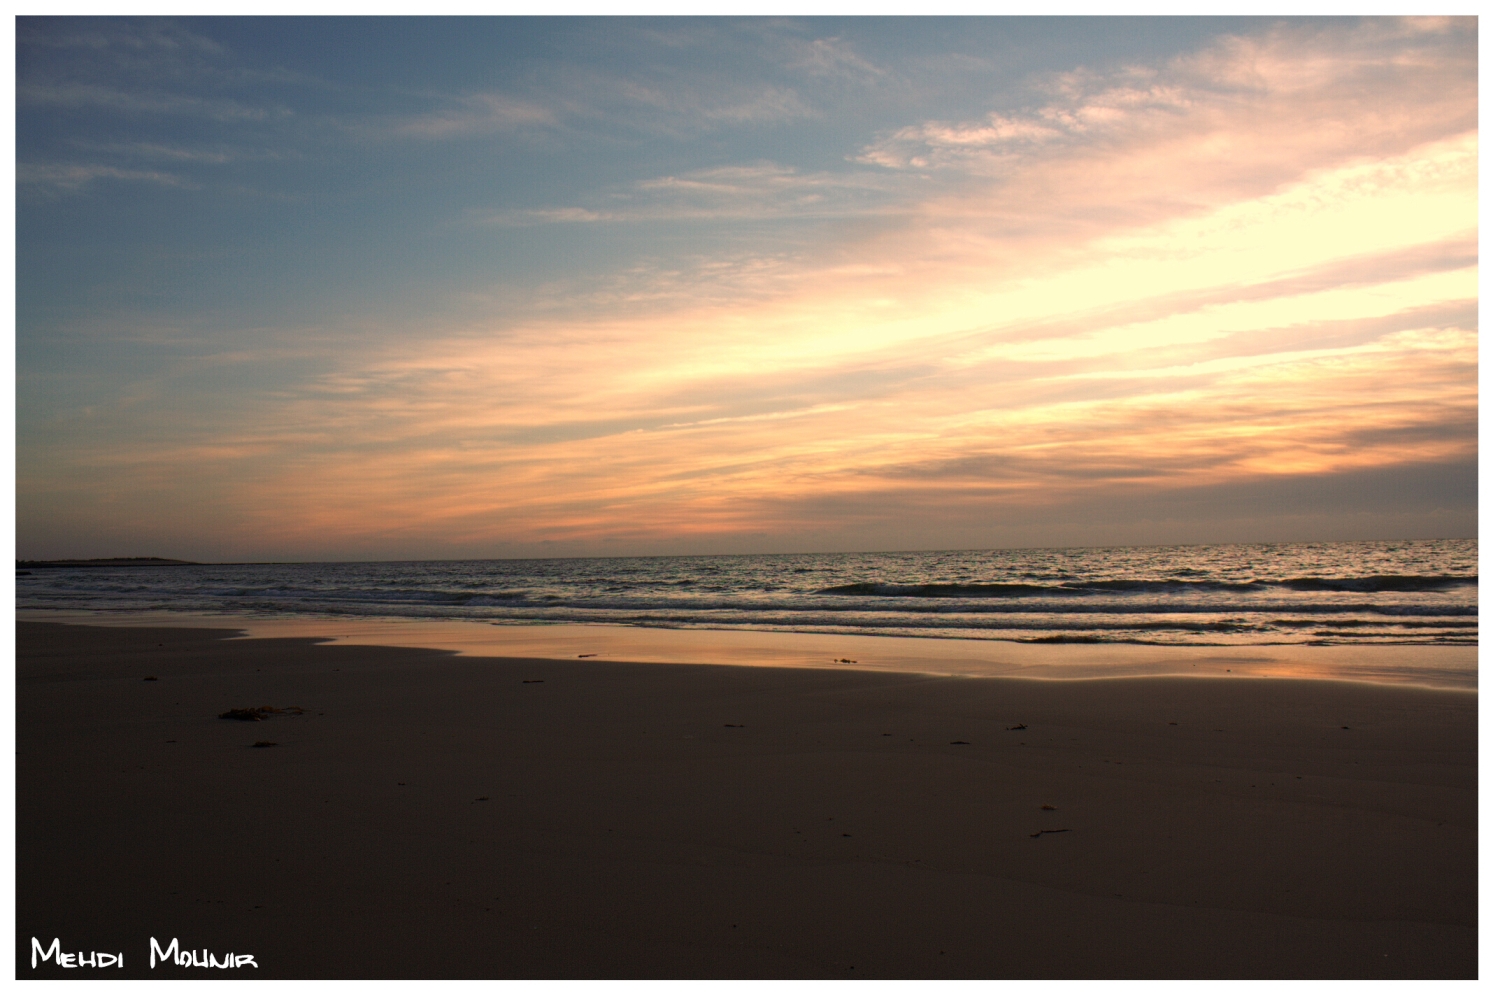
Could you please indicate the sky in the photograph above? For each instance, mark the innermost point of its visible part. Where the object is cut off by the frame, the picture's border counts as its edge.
(387, 288)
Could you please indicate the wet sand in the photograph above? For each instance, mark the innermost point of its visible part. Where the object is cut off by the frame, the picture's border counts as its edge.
(428, 815)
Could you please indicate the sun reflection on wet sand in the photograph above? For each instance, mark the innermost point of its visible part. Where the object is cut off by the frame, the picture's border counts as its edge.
(1420, 665)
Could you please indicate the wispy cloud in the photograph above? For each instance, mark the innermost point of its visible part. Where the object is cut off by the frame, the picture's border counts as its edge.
(1369, 79)
(462, 117)
(74, 176)
(742, 191)
(627, 105)
(97, 36)
(832, 57)
(678, 107)
(80, 95)
(165, 152)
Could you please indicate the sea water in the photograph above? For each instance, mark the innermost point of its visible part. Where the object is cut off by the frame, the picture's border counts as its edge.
(1338, 593)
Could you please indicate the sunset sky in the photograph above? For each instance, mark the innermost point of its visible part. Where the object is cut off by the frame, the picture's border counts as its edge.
(327, 289)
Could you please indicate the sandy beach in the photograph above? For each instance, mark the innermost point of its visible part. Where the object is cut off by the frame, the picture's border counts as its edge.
(426, 815)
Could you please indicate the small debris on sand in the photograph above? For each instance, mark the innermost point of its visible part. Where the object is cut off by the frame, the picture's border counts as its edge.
(846, 660)
(1049, 808)
(728, 725)
(958, 742)
(257, 714)
(148, 678)
(485, 798)
(587, 655)
(533, 681)
(1043, 832)
(263, 745)
(1015, 728)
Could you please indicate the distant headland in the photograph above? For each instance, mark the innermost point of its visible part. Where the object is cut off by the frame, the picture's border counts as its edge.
(100, 563)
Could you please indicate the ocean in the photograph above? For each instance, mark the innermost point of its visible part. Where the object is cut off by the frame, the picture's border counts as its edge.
(1336, 593)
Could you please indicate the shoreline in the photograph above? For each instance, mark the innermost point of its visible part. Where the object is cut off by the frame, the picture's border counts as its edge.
(1446, 667)
(434, 815)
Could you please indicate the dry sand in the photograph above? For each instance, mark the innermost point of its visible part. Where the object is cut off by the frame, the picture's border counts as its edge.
(434, 816)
